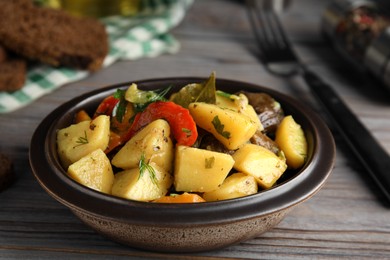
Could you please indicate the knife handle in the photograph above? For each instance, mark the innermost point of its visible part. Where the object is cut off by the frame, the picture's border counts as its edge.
(369, 152)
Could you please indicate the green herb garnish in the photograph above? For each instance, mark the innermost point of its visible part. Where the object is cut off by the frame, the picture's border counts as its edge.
(209, 162)
(120, 108)
(187, 131)
(82, 140)
(219, 127)
(142, 98)
(144, 166)
(225, 94)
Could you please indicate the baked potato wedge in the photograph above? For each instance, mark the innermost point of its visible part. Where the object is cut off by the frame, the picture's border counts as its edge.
(78, 140)
(94, 171)
(261, 163)
(199, 170)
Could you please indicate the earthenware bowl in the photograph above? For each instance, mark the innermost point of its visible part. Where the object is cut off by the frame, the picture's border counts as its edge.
(182, 227)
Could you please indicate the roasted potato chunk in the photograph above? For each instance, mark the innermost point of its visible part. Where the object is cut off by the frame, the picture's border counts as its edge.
(148, 185)
(291, 139)
(229, 127)
(80, 139)
(94, 171)
(235, 186)
(153, 142)
(198, 170)
(261, 163)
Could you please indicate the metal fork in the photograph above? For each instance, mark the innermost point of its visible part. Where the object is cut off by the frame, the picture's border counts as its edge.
(280, 59)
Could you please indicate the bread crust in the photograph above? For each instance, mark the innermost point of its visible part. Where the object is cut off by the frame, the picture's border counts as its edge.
(52, 36)
(12, 74)
(6, 172)
(12, 71)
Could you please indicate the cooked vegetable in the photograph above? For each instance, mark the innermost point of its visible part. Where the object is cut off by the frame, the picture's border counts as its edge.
(196, 92)
(81, 116)
(120, 123)
(152, 184)
(268, 109)
(261, 139)
(78, 140)
(120, 112)
(118, 129)
(238, 103)
(182, 125)
(261, 163)
(153, 142)
(291, 139)
(235, 186)
(157, 155)
(141, 98)
(198, 170)
(229, 127)
(94, 171)
(181, 198)
(209, 142)
(106, 107)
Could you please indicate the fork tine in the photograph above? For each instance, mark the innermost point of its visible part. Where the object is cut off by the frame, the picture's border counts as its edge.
(274, 45)
(257, 25)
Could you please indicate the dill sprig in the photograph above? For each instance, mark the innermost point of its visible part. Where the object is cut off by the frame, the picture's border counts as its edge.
(143, 98)
(82, 140)
(144, 166)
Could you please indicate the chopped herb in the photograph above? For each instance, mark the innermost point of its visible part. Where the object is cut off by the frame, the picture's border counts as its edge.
(209, 162)
(82, 140)
(219, 127)
(224, 94)
(187, 131)
(161, 94)
(144, 166)
(120, 108)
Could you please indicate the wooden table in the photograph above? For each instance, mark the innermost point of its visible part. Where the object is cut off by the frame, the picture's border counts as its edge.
(346, 219)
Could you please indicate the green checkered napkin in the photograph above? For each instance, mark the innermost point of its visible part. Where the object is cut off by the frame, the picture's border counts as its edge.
(130, 38)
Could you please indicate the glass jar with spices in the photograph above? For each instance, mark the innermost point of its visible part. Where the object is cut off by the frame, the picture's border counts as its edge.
(360, 31)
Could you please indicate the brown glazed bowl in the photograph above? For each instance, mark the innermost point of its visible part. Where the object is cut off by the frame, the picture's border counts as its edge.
(182, 227)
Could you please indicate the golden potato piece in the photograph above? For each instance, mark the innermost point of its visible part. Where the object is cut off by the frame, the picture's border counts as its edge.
(292, 141)
(259, 162)
(153, 142)
(235, 186)
(198, 170)
(150, 185)
(239, 103)
(228, 126)
(94, 171)
(78, 140)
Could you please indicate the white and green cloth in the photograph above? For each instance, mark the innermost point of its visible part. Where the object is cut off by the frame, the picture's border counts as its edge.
(130, 38)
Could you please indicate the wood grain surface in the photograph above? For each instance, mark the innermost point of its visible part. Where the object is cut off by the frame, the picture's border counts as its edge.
(347, 219)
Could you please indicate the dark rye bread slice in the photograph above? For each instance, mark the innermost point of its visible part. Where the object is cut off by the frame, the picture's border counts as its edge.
(7, 174)
(12, 74)
(3, 54)
(12, 71)
(52, 36)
